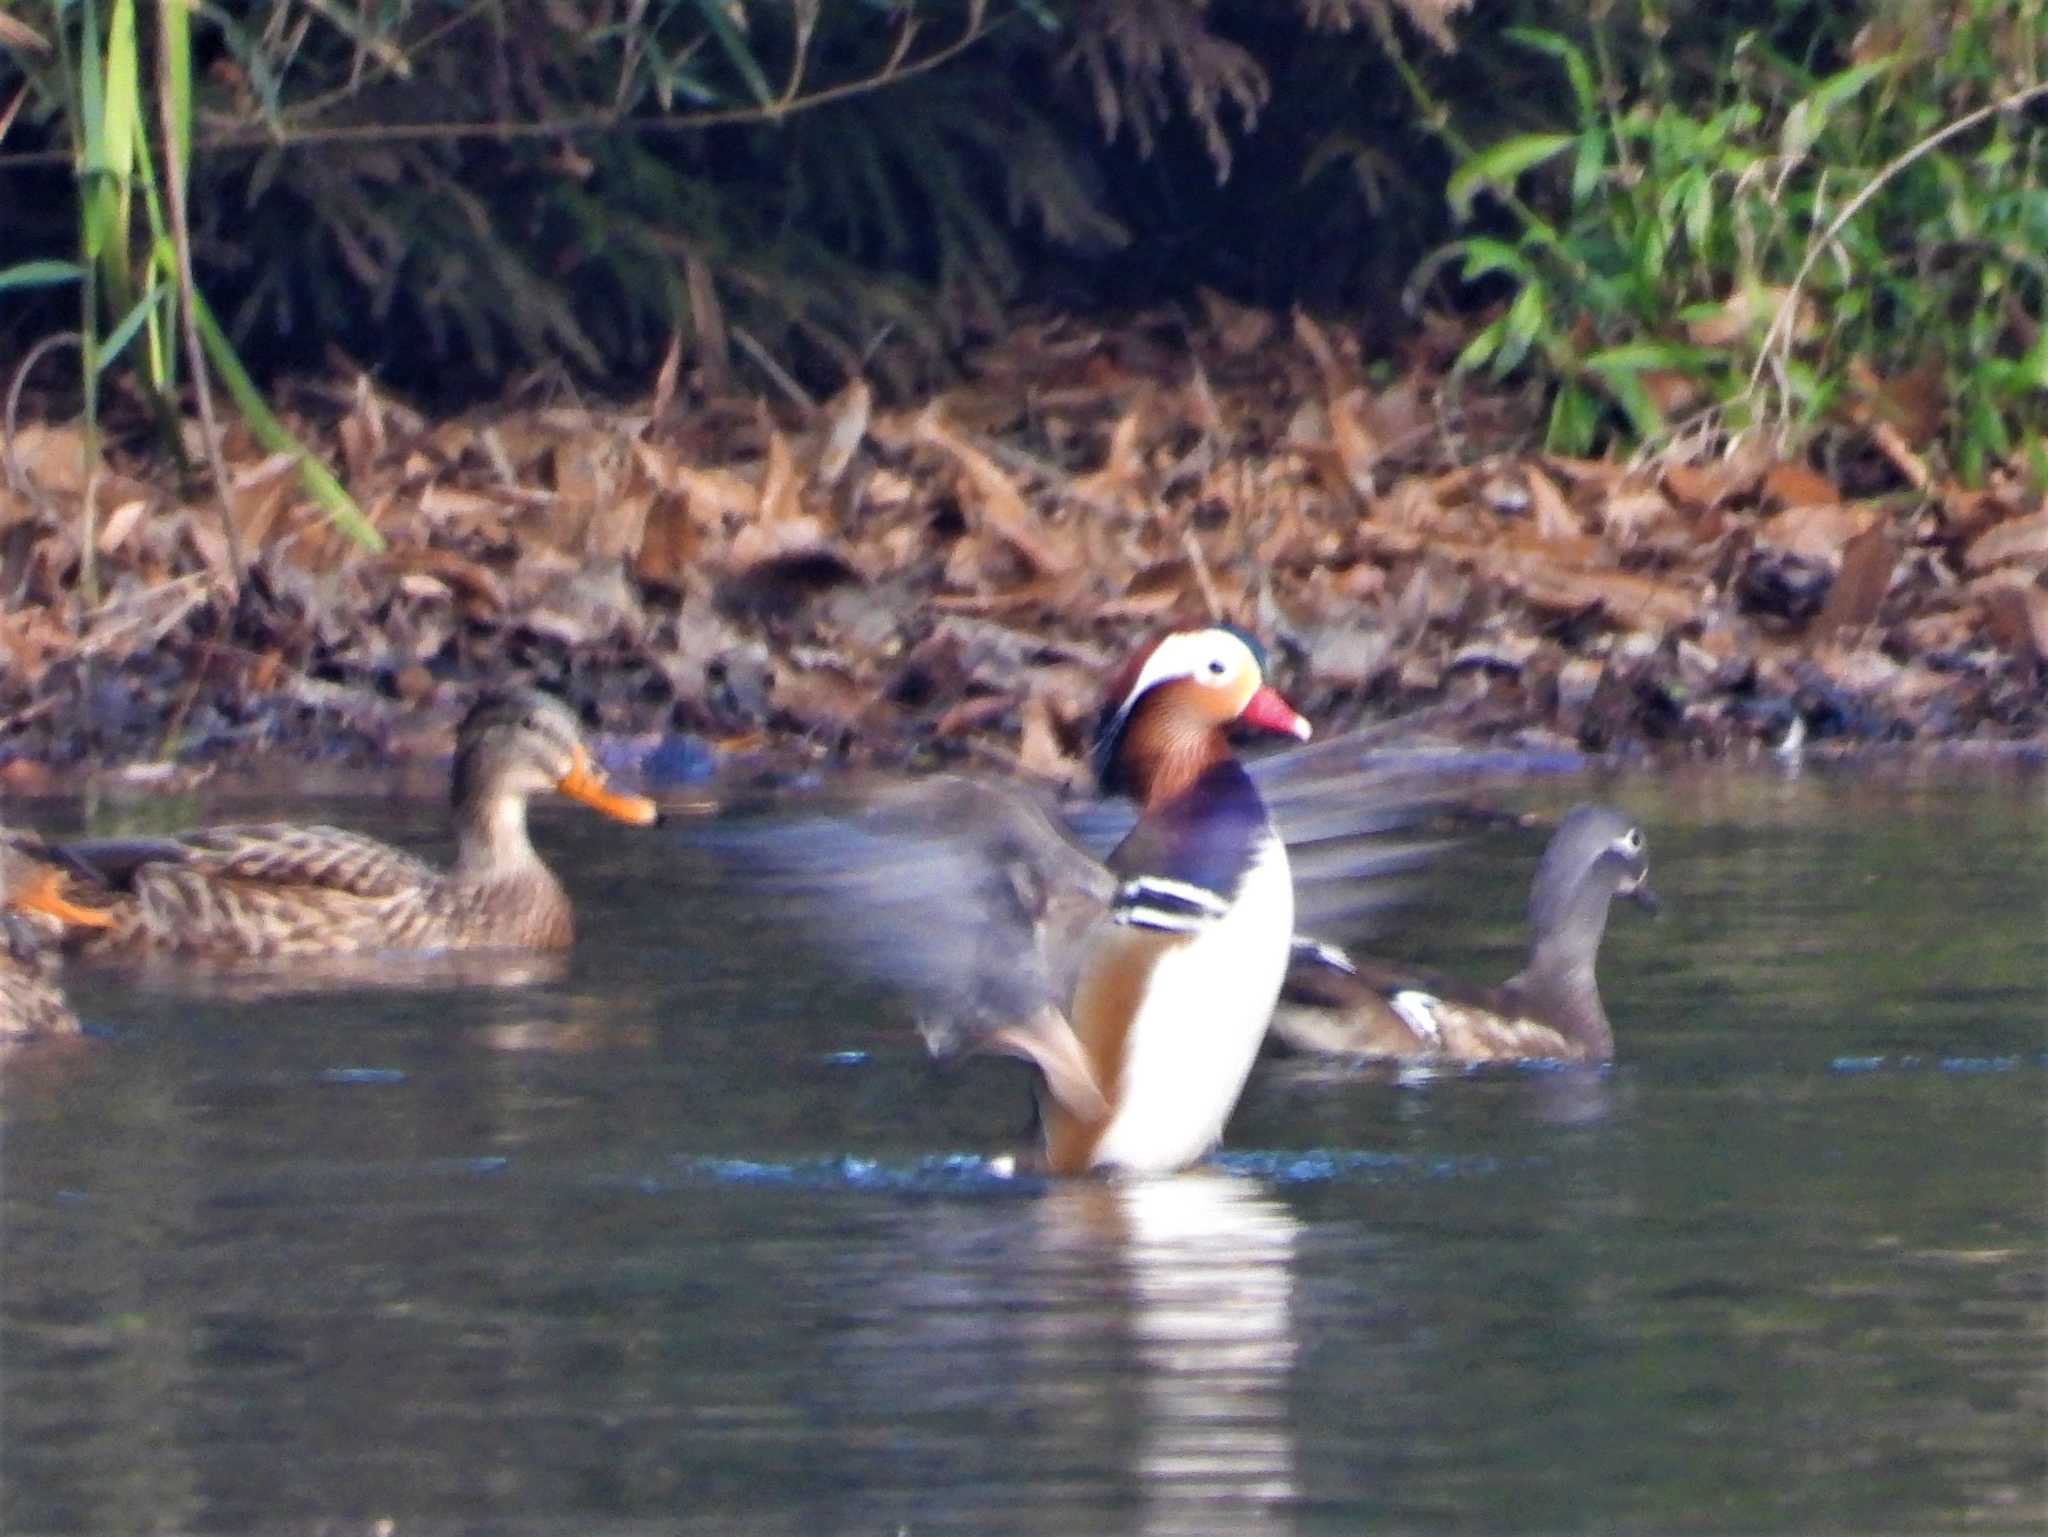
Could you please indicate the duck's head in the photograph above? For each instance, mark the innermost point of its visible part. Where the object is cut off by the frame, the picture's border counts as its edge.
(1168, 709)
(32, 885)
(1596, 853)
(519, 742)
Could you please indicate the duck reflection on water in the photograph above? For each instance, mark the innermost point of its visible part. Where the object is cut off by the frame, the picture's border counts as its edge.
(1138, 1335)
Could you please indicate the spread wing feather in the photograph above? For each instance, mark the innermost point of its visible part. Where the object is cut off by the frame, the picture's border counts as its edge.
(973, 898)
(965, 895)
(1354, 826)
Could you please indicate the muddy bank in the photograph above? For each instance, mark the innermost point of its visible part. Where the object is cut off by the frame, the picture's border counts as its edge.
(716, 578)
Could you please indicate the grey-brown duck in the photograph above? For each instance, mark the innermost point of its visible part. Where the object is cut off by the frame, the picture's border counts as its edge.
(271, 890)
(32, 905)
(1551, 1008)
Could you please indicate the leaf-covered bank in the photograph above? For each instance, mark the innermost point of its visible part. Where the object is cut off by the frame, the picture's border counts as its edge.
(948, 579)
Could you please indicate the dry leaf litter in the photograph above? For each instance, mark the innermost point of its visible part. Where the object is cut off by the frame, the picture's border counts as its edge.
(713, 577)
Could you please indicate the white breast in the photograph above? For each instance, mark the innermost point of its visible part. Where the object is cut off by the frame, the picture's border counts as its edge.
(1193, 1040)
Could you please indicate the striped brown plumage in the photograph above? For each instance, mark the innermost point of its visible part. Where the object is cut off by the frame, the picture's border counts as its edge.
(32, 1005)
(267, 891)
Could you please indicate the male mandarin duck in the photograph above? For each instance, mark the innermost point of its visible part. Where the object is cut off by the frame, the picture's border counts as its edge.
(1139, 986)
(1175, 985)
(1551, 1008)
(32, 1006)
(272, 890)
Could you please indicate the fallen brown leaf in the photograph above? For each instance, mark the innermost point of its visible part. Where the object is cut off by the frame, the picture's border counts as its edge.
(2017, 541)
(846, 416)
(1749, 313)
(1635, 602)
(1794, 485)
(1335, 378)
(1704, 487)
(999, 504)
(1038, 743)
(1817, 530)
(1358, 449)
(1119, 483)
(1554, 516)
(1859, 589)
(1236, 327)
(2017, 612)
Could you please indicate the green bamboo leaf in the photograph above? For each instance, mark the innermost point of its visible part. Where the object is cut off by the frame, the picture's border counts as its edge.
(2033, 365)
(1589, 165)
(1629, 393)
(1523, 323)
(720, 21)
(124, 331)
(1809, 115)
(1634, 357)
(1500, 164)
(95, 199)
(122, 102)
(342, 510)
(1568, 54)
(1481, 347)
(39, 274)
(1484, 255)
(1574, 418)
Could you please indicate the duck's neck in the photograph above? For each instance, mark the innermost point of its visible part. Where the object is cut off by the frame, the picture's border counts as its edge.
(491, 841)
(1559, 978)
(1159, 756)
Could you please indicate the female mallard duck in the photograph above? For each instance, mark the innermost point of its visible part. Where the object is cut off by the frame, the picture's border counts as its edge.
(1549, 1009)
(274, 890)
(32, 1006)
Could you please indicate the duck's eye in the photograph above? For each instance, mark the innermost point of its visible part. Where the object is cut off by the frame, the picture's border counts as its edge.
(1632, 841)
(1217, 667)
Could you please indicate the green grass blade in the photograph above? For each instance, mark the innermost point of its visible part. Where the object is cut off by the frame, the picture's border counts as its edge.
(121, 133)
(39, 274)
(174, 38)
(341, 508)
(736, 49)
(124, 332)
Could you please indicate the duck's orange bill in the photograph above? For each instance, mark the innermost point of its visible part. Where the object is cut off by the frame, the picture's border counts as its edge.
(584, 783)
(1268, 710)
(45, 894)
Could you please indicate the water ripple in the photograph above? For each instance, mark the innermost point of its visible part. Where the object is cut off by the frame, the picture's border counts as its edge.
(1912, 1063)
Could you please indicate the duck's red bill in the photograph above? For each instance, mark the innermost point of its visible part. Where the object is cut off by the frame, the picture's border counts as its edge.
(1270, 712)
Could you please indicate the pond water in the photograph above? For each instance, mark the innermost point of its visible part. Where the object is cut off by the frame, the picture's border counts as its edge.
(690, 1237)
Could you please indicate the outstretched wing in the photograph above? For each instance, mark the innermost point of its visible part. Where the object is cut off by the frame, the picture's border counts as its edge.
(963, 894)
(1357, 819)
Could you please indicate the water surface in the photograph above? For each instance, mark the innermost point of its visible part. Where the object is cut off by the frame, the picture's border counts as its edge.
(690, 1238)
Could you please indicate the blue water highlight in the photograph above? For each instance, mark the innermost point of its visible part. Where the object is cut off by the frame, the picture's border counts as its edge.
(974, 1173)
(1913, 1063)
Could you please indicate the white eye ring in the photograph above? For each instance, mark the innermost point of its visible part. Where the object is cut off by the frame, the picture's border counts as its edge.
(1217, 667)
(1631, 842)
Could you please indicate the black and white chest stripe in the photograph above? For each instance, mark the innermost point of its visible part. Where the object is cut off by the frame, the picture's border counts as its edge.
(1184, 862)
(1174, 907)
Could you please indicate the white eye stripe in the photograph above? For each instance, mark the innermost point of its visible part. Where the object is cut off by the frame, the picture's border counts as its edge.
(1188, 655)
